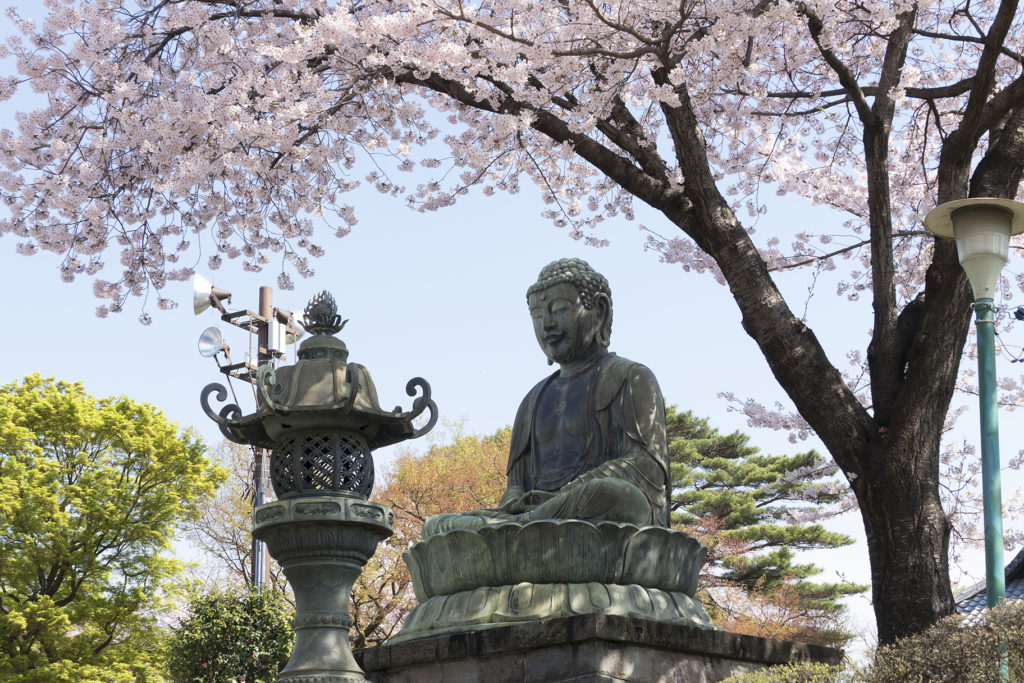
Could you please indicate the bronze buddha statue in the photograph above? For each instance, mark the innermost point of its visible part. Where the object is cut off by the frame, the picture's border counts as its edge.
(588, 441)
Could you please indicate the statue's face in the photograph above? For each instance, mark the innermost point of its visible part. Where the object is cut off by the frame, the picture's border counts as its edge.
(566, 331)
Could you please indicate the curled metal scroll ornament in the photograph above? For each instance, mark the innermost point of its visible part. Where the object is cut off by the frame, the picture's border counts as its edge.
(266, 378)
(421, 403)
(229, 412)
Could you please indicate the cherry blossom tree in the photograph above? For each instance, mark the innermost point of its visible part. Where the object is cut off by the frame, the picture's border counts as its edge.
(171, 125)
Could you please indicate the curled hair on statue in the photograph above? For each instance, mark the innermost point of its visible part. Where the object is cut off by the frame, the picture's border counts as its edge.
(590, 284)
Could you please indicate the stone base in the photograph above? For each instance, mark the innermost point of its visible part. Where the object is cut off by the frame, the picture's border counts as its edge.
(583, 648)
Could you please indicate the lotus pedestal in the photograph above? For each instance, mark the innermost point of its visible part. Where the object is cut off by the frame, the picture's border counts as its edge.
(514, 573)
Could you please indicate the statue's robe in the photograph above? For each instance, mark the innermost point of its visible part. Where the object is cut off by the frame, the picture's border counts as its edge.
(621, 473)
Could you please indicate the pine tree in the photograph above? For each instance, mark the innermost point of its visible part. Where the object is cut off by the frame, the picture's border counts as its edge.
(752, 511)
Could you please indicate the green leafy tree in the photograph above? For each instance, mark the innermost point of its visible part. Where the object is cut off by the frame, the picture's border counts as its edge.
(465, 473)
(223, 529)
(91, 493)
(752, 511)
(230, 636)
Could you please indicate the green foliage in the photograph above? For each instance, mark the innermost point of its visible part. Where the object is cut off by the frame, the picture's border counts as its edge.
(752, 511)
(466, 472)
(803, 672)
(91, 493)
(230, 636)
(949, 652)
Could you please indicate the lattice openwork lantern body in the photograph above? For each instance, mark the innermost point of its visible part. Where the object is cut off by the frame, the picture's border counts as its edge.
(322, 421)
(317, 462)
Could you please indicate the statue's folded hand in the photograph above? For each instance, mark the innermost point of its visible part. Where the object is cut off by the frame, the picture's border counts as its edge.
(525, 502)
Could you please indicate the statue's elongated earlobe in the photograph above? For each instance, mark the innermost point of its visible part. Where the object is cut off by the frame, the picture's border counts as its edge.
(604, 330)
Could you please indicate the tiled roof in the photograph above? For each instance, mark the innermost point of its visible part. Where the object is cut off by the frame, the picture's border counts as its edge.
(973, 601)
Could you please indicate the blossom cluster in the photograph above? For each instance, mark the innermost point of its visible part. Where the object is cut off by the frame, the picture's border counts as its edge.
(225, 127)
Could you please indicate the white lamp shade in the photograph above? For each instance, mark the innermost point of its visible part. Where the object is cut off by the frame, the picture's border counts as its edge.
(983, 245)
(982, 227)
(203, 292)
(201, 289)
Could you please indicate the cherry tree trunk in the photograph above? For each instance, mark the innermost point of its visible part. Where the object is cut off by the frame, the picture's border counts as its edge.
(908, 543)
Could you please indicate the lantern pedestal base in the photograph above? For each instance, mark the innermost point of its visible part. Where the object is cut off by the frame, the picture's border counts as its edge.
(322, 543)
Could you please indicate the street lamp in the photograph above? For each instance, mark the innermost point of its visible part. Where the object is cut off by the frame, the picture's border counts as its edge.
(982, 228)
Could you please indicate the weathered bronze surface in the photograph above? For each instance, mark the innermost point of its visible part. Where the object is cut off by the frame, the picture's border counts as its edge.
(322, 543)
(322, 419)
(582, 527)
(588, 441)
(321, 416)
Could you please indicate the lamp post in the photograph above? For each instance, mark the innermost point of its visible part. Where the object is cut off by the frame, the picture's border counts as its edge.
(982, 228)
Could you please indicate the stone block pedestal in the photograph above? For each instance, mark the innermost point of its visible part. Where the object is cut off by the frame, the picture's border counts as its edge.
(588, 648)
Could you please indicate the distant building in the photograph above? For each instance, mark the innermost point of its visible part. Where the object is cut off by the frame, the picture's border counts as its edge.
(972, 601)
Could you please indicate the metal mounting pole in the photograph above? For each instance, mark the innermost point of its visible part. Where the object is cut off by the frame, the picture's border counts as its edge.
(991, 490)
(258, 560)
(995, 575)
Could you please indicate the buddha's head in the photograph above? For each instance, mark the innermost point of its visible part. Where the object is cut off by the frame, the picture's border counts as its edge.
(571, 307)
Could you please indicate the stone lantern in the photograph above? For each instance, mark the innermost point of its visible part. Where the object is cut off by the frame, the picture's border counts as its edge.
(321, 420)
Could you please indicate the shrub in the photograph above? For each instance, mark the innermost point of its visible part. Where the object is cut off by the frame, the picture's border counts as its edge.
(801, 672)
(952, 652)
(949, 652)
(229, 637)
